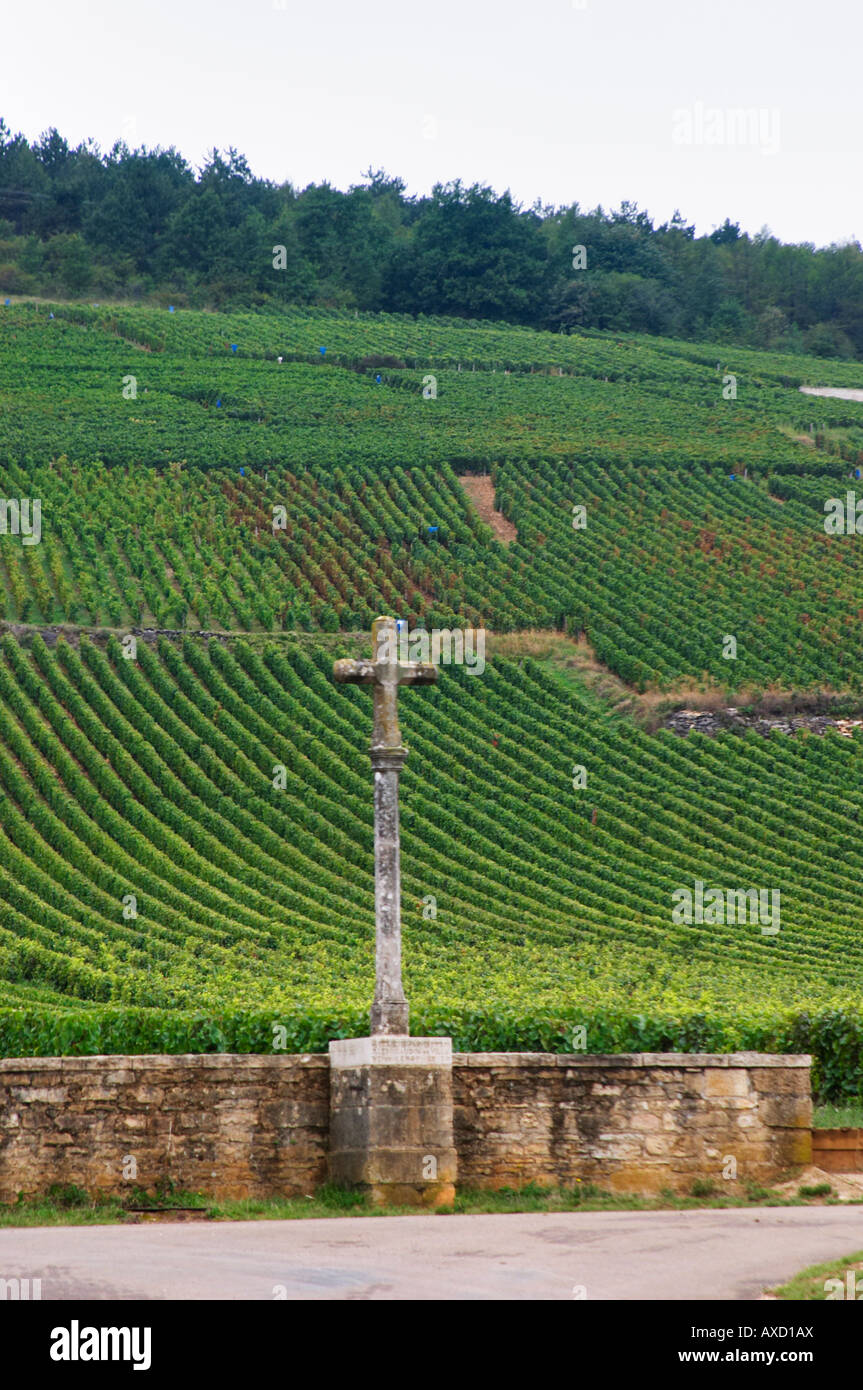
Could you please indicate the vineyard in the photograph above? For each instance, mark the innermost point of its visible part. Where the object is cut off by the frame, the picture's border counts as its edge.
(185, 831)
(154, 780)
(236, 491)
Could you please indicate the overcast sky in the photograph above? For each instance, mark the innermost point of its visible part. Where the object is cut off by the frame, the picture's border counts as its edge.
(562, 100)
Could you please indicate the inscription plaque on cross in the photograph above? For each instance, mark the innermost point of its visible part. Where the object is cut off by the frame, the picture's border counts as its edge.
(385, 673)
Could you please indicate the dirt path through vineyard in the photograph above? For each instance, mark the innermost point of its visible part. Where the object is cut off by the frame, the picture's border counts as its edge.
(480, 489)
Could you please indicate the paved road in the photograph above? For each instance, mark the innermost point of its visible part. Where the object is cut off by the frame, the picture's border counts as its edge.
(613, 1255)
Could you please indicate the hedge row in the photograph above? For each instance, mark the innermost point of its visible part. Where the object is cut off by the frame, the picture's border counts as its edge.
(834, 1037)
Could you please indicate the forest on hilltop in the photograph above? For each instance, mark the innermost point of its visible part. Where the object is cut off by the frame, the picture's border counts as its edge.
(143, 224)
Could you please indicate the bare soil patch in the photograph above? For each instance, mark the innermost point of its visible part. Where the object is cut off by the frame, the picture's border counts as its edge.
(848, 1187)
(480, 489)
(842, 393)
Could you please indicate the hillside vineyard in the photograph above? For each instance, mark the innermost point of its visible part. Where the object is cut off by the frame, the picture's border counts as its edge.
(185, 821)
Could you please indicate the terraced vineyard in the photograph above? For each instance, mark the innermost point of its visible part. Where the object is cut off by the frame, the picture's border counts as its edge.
(185, 834)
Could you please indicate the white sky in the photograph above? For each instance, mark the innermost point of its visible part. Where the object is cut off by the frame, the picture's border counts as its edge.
(542, 96)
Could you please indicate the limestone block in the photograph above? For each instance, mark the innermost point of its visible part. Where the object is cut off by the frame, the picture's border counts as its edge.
(786, 1111)
(775, 1081)
(645, 1120)
(30, 1095)
(726, 1083)
(659, 1145)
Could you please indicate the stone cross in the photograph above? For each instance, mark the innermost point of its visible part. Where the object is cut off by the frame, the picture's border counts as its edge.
(386, 673)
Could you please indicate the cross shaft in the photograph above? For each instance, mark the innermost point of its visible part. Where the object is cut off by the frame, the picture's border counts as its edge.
(385, 673)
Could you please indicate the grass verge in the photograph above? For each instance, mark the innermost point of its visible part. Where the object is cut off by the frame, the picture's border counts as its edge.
(838, 1116)
(71, 1206)
(813, 1283)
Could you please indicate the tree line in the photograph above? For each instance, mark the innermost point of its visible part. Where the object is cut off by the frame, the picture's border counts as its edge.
(143, 224)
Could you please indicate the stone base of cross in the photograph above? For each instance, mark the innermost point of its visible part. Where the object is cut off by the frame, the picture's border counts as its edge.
(385, 673)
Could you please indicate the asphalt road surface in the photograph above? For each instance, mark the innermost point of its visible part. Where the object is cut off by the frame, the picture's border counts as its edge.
(704, 1254)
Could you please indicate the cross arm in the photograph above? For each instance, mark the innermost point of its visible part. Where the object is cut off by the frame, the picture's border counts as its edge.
(371, 672)
(355, 672)
(417, 673)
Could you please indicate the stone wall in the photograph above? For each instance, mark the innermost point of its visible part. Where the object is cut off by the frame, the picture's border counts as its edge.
(629, 1122)
(686, 721)
(259, 1125)
(225, 1125)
